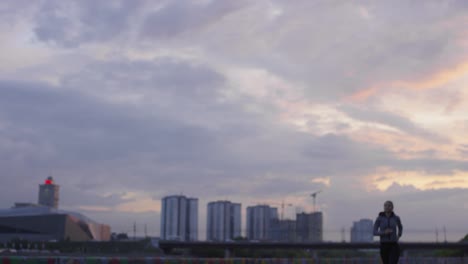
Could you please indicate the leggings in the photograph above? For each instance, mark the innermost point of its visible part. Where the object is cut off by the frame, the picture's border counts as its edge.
(389, 252)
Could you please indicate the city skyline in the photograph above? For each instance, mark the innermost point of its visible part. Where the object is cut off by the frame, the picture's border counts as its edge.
(126, 102)
(182, 214)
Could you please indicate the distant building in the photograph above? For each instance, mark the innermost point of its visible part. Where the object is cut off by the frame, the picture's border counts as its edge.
(19, 205)
(179, 218)
(362, 231)
(309, 227)
(261, 222)
(43, 223)
(49, 193)
(284, 230)
(223, 221)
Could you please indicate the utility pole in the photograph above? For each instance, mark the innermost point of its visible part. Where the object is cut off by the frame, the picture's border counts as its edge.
(343, 235)
(437, 235)
(146, 232)
(134, 230)
(445, 235)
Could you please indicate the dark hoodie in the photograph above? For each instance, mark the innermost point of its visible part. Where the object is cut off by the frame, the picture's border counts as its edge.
(383, 222)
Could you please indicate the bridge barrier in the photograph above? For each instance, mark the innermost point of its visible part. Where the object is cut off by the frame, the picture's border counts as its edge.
(163, 260)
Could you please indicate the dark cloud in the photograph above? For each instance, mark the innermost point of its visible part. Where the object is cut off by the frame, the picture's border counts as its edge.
(73, 23)
(362, 46)
(352, 53)
(12, 11)
(339, 155)
(78, 130)
(62, 129)
(79, 134)
(178, 17)
(161, 79)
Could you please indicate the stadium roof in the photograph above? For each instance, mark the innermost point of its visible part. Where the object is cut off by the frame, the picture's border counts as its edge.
(34, 210)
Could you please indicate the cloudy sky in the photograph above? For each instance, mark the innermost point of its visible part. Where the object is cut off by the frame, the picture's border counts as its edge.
(124, 102)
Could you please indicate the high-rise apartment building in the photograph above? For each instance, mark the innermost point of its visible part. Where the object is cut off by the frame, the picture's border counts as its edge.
(261, 220)
(362, 231)
(223, 221)
(284, 230)
(49, 193)
(179, 218)
(309, 227)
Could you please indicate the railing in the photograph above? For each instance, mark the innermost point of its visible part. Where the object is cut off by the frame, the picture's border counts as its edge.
(168, 245)
(168, 260)
(228, 247)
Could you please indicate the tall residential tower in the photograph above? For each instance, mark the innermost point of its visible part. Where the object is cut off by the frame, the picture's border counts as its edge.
(223, 221)
(309, 227)
(179, 218)
(362, 231)
(261, 220)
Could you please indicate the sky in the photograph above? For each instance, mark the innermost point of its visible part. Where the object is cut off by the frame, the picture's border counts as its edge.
(125, 102)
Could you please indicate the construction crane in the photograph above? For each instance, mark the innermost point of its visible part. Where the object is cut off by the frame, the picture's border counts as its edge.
(282, 204)
(314, 196)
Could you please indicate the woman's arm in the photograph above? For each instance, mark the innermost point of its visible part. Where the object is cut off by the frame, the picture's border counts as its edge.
(377, 232)
(400, 227)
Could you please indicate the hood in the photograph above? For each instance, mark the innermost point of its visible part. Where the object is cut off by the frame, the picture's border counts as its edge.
(383, 214)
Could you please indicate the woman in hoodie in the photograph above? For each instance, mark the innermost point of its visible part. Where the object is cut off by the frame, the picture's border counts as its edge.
(386, 226)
